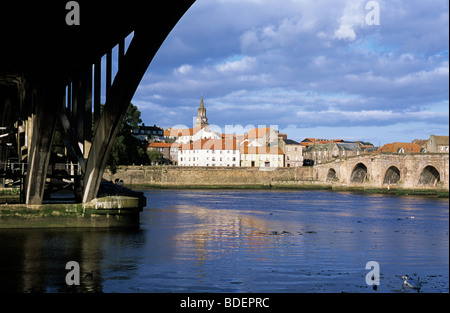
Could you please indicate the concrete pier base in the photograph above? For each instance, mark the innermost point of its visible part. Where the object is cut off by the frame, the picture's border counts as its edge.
(109, 212)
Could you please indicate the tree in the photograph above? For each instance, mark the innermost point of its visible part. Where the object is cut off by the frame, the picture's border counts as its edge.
(155, 156)
(128, 149)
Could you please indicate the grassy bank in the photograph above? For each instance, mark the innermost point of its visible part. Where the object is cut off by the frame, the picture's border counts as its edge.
(302, 186)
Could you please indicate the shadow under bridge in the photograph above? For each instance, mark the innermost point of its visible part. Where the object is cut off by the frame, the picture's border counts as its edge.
(51, 77)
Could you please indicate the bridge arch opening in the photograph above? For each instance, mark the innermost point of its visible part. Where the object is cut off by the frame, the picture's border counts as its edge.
(331, 175)
(430, 176)
(392, 176)
(359, 173)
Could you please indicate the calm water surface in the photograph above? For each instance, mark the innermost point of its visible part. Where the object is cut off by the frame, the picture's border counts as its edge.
(242, 241)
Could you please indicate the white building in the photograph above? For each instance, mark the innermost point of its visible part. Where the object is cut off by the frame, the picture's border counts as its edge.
(210, 152)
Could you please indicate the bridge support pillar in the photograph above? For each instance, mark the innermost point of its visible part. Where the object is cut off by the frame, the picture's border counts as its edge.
(131, 70)
(40, 146)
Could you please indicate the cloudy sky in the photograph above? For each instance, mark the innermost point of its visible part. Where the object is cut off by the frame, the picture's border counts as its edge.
(312, 68)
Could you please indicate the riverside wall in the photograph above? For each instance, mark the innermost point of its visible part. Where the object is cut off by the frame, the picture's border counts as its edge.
(315, 177)
(175, 176)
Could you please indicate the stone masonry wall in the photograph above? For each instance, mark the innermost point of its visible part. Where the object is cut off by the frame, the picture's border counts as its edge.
(195, 176)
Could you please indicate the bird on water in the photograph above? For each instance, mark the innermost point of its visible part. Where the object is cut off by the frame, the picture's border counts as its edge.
(412, 284)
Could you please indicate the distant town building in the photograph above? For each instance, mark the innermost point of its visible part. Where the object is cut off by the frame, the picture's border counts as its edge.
(168, 150)
(325, 152)
(148, 133)
(401, 147)
(435, 144)
(200, 130)
(261, 137)
(261, 156)
(317, 141)
(209, 152)
(293, 152)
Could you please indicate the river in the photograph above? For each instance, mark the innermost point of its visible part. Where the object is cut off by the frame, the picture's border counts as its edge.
(238, 241)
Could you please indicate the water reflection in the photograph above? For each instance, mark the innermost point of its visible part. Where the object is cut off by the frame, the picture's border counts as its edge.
(34, 260)
(241, 241)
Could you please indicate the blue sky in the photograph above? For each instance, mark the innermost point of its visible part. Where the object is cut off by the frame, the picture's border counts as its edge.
(314, 68)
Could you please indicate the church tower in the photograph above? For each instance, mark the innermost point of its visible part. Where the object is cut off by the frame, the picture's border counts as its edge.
(201, 120)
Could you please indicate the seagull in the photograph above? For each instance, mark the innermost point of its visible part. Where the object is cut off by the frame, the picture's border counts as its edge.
(411, 284)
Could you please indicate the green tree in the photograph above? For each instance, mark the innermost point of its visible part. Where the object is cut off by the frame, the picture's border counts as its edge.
(155, 156)
(128, 149)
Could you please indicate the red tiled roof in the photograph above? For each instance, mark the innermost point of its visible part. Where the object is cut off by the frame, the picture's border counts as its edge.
(394, 147)
(313, 141)
(162, 145)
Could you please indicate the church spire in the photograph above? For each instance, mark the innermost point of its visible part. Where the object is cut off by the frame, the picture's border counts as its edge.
(201, 120)
(202, 105)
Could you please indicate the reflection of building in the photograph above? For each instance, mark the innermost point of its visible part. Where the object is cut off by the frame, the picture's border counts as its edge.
(209, 152)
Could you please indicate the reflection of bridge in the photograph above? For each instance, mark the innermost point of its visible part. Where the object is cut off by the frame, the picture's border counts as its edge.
(51, 78)
(383, 170)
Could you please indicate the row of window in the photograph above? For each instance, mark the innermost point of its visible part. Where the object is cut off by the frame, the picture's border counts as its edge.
(208, 151)
(148, 132)
(228, 165)
(261, 157)
(207, 159)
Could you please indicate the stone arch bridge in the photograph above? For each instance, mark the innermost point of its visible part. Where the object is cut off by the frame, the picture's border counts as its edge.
(409, 171)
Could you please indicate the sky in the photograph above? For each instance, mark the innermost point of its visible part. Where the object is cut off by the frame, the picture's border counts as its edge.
(310, 68)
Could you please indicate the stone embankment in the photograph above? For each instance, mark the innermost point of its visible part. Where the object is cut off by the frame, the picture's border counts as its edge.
(255, 178)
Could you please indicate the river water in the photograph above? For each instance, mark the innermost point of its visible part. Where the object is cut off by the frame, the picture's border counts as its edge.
(242, 241)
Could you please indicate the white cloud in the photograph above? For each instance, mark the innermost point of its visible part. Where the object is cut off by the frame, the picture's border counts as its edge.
(305, 62)
(345, 32)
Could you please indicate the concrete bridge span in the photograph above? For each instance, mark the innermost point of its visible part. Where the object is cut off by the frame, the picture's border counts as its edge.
(387, 170)
(51, 77)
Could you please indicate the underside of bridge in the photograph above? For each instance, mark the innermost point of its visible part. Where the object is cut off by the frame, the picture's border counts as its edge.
(51, 80)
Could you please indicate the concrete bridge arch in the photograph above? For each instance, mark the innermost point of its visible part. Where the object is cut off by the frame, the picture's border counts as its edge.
(59, 84)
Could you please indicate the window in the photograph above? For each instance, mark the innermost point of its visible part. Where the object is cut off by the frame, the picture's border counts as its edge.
(288, 149)
(295, 149)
